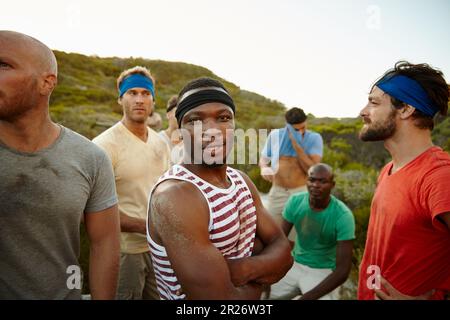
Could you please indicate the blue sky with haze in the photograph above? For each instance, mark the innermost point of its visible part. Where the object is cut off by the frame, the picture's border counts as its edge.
(322, 56)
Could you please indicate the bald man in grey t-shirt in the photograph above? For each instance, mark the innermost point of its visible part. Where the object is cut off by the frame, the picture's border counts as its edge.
(43, 196)
(50, 177)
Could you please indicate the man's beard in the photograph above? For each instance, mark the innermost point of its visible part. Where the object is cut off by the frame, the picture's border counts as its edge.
(14, 107)
(379, 131)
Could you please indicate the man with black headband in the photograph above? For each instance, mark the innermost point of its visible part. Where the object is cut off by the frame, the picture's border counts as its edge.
(407, 253)
(139, 157)
(209, 234)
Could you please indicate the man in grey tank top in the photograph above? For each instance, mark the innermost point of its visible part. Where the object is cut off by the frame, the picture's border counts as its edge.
(50, 178)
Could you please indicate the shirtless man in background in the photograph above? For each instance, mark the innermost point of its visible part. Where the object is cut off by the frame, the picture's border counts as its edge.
(288, 154)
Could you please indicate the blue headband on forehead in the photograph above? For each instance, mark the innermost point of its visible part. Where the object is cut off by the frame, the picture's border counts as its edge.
(136, 80)
(408, 91)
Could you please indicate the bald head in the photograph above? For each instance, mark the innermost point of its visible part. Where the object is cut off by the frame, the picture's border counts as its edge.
(31, 49)
(29, 76)
(319, 184)
(321, 168)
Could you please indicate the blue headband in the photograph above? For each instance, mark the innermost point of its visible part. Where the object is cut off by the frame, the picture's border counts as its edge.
(136, 80)
(408, 91)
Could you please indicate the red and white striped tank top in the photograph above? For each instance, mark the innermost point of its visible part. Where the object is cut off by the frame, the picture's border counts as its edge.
(232, 225)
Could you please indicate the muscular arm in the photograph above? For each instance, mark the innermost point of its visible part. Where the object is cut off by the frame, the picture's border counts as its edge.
(306, 161)
(338, 276)
(131, 224)
(103, 231)
(182, 229)
(272, 263)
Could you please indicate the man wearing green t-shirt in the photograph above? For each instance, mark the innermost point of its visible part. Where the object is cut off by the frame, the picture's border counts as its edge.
(323, 248)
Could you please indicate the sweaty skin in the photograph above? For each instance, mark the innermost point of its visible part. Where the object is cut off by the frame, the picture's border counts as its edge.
(292, 171)
(289, 175)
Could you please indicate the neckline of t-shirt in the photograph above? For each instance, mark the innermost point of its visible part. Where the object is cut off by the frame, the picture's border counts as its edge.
(41, 151)
(321, 211)
(132, 134)
(410, 163)
(230, 189)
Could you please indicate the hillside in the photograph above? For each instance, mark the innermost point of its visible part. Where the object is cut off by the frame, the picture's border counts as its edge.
(85, 98)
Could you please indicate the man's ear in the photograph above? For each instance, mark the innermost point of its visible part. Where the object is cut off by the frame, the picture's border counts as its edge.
(119, 100)
(48, 83)
(406, 111)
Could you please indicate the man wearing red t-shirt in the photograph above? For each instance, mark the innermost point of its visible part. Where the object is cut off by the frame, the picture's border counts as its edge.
(407, 253)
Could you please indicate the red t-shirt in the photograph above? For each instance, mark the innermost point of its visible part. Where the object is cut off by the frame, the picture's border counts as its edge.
(406, 242)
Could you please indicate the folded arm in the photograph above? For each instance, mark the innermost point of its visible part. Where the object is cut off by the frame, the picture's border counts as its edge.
(200, 267)
(274, 260)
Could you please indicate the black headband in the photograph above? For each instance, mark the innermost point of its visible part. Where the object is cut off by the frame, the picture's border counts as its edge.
(196, 97)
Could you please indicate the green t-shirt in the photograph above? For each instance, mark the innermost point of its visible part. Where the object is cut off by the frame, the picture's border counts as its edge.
(318, 231)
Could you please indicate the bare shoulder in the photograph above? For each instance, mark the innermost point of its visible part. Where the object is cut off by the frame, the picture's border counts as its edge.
(249, 182)
(175, 201)
(175, 193)
(251, 186)
(172, 187)
(246, 177)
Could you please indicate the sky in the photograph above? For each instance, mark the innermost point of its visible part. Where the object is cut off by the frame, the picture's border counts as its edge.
(322, 56)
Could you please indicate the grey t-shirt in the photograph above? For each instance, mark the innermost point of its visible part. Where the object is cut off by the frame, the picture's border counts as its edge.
(43, 196)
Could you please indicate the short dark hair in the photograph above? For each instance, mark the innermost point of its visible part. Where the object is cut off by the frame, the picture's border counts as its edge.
(295, 116)
(432, 81)
(172, 103)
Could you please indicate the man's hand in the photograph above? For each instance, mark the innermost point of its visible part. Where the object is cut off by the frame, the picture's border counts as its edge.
(239, 272)
(393, 294)
(304, 160)
(267, 173)
(131, 224)
(295, 144)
